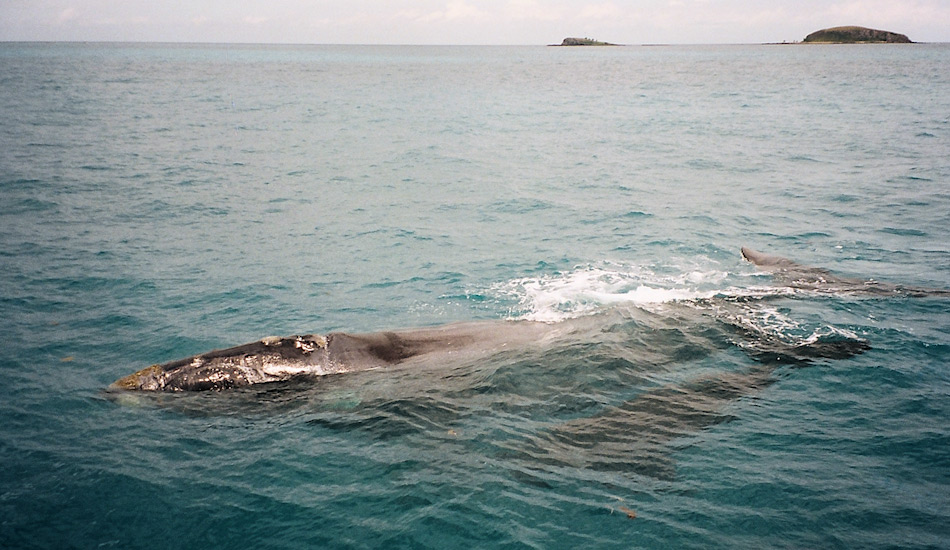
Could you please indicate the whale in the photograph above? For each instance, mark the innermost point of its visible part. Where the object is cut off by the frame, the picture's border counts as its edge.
(816, 279)
(281, 358)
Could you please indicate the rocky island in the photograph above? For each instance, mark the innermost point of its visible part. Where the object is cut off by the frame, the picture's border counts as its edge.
(856, 35)
(583, 42)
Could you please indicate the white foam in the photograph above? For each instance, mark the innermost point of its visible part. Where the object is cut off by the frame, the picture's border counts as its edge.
(588, 289)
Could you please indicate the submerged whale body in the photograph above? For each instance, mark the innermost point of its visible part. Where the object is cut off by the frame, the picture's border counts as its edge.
(275, 359)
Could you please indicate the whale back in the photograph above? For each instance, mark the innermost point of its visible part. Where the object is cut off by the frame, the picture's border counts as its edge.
(761, 259)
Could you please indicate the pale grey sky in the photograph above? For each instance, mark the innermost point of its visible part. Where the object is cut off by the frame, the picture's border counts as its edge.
(462, 21)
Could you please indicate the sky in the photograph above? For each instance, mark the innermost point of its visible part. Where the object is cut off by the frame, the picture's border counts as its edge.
(462, 21)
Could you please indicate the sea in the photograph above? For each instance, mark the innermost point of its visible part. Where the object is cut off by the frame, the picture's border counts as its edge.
(162, 200)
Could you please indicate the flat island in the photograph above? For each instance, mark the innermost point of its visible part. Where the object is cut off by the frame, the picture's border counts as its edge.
(856, 35)
(583, 42)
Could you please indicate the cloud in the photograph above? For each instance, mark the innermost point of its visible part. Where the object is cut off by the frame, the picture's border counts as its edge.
(882, 12)
(608, 10)
(454, 11)
(67, 15)
(532, 10)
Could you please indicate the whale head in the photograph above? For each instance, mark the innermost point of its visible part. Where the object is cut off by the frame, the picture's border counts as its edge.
(200, 372)
(270, 359)
(148, 379)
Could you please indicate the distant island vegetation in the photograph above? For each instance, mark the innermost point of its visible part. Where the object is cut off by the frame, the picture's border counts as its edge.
(831, 35)
(856, 35)
(583, 42)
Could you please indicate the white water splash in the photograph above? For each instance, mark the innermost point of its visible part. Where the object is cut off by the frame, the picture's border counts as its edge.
(588, 289)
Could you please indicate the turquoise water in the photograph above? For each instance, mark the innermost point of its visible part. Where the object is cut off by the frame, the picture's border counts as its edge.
(158, 201)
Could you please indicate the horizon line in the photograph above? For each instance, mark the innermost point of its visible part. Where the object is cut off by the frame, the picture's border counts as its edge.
(219, 43)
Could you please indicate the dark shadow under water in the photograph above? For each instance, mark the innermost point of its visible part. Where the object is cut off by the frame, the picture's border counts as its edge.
(611, 392)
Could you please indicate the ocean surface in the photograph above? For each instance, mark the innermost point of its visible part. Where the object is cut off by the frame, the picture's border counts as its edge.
(158, 201)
